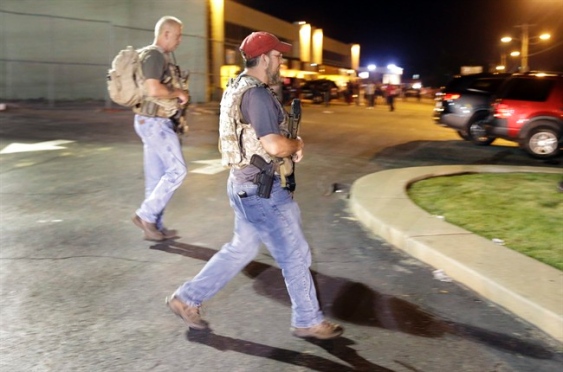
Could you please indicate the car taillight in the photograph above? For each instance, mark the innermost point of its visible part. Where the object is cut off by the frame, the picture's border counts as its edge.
(450, 96)
(502, 111)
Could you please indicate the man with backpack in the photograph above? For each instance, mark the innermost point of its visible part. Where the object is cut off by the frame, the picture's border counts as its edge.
(163, 97)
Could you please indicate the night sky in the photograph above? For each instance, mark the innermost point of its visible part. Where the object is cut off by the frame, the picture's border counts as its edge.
(432, 38)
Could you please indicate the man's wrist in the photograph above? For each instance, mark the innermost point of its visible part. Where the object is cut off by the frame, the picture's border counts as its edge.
(300, 143)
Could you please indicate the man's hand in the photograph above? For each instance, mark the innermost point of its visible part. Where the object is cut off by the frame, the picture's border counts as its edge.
(183, 97)
(297, 156)
(156, 89)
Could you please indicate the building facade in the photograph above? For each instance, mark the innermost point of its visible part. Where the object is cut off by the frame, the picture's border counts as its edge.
(61, 50)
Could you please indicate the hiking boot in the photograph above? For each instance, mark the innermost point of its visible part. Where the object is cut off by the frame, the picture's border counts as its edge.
(167, 234)
(323, 331)
(189, 314)
(150, 230)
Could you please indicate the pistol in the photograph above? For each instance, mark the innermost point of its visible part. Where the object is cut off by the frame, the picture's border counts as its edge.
(264, 179)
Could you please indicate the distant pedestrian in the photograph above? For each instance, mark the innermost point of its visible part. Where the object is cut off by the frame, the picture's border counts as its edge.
(370, 94)
(326, 98)
(349, 92)
(356, 92)
(390, 94)
(378, 92)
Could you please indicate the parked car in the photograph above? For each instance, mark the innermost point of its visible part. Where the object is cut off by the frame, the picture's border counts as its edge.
(528, 109)
(465, 101)
(412, 90)
(315, 90)
(291, 88)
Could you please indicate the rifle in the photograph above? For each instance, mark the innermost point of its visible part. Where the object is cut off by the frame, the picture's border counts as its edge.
(179, 118)
(264, 179)
(294, 121)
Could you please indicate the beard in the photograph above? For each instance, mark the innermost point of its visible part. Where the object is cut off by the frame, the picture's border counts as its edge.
(273, 74)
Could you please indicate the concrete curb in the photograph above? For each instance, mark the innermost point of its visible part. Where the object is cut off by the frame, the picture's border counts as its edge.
(524, 286)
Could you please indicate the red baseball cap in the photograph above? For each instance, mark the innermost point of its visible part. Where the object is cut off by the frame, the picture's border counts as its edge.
(258, 43)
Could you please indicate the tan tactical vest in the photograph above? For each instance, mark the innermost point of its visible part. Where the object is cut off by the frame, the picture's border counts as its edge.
(158, 106)
(238, 140)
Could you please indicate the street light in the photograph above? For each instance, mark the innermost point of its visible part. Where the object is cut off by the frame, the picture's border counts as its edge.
(525, 40)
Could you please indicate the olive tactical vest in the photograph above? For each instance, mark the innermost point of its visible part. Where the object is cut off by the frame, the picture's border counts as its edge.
(238, 140)
(151, 106)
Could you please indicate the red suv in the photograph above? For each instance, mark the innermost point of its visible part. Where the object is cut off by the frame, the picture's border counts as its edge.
(528, 109)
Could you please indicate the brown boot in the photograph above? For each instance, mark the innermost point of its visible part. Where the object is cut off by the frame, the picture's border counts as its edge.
(150, 230)
(189, 314)
(167, 234)
(323, 331)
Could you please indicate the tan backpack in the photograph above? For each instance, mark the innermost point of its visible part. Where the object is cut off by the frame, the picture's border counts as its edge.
(125, 78)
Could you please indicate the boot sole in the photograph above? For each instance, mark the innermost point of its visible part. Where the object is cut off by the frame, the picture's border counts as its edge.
(336, 334)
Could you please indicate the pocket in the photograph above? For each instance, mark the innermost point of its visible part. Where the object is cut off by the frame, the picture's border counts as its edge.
(253, 209)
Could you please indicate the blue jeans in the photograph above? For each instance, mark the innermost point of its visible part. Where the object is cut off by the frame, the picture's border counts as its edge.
(276, 222)
(164, 165)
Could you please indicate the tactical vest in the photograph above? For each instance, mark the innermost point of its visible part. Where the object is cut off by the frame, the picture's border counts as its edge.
(237, 139)
(160, 107)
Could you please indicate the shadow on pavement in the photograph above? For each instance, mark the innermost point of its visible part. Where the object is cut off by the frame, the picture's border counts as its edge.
(354, 303)
(338, 347)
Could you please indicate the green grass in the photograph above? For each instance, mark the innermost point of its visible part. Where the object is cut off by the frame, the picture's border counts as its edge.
(525, 210)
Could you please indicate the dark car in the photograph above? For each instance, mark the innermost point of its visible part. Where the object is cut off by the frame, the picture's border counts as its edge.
(465, 101)
(528, 109)
(316, 90)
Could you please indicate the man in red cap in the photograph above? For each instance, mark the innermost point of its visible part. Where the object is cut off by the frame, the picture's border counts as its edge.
(253, 124)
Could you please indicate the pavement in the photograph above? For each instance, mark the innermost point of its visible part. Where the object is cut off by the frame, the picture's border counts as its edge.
(381, 204)
(526, 287)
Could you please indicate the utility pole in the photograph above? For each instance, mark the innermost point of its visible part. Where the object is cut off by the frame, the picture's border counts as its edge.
(503, 59)
(525, 42)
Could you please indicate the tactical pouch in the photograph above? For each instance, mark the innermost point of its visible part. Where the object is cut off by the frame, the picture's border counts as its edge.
(148, 108)
(152, 109)
(285, 169)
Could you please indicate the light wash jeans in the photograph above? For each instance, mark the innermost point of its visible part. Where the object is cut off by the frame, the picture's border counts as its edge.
(276, 222)
(164, 165)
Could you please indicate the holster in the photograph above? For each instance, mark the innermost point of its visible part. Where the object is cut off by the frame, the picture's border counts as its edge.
(264, 179)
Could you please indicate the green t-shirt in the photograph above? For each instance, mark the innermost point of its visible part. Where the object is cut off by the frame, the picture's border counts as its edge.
(154, 65)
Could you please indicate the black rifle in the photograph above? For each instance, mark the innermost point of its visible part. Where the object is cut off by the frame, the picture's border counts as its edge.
(294, 120)
(179, 118)
(264, 179)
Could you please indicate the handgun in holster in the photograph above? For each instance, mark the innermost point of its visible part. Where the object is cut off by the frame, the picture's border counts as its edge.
(264, 179)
